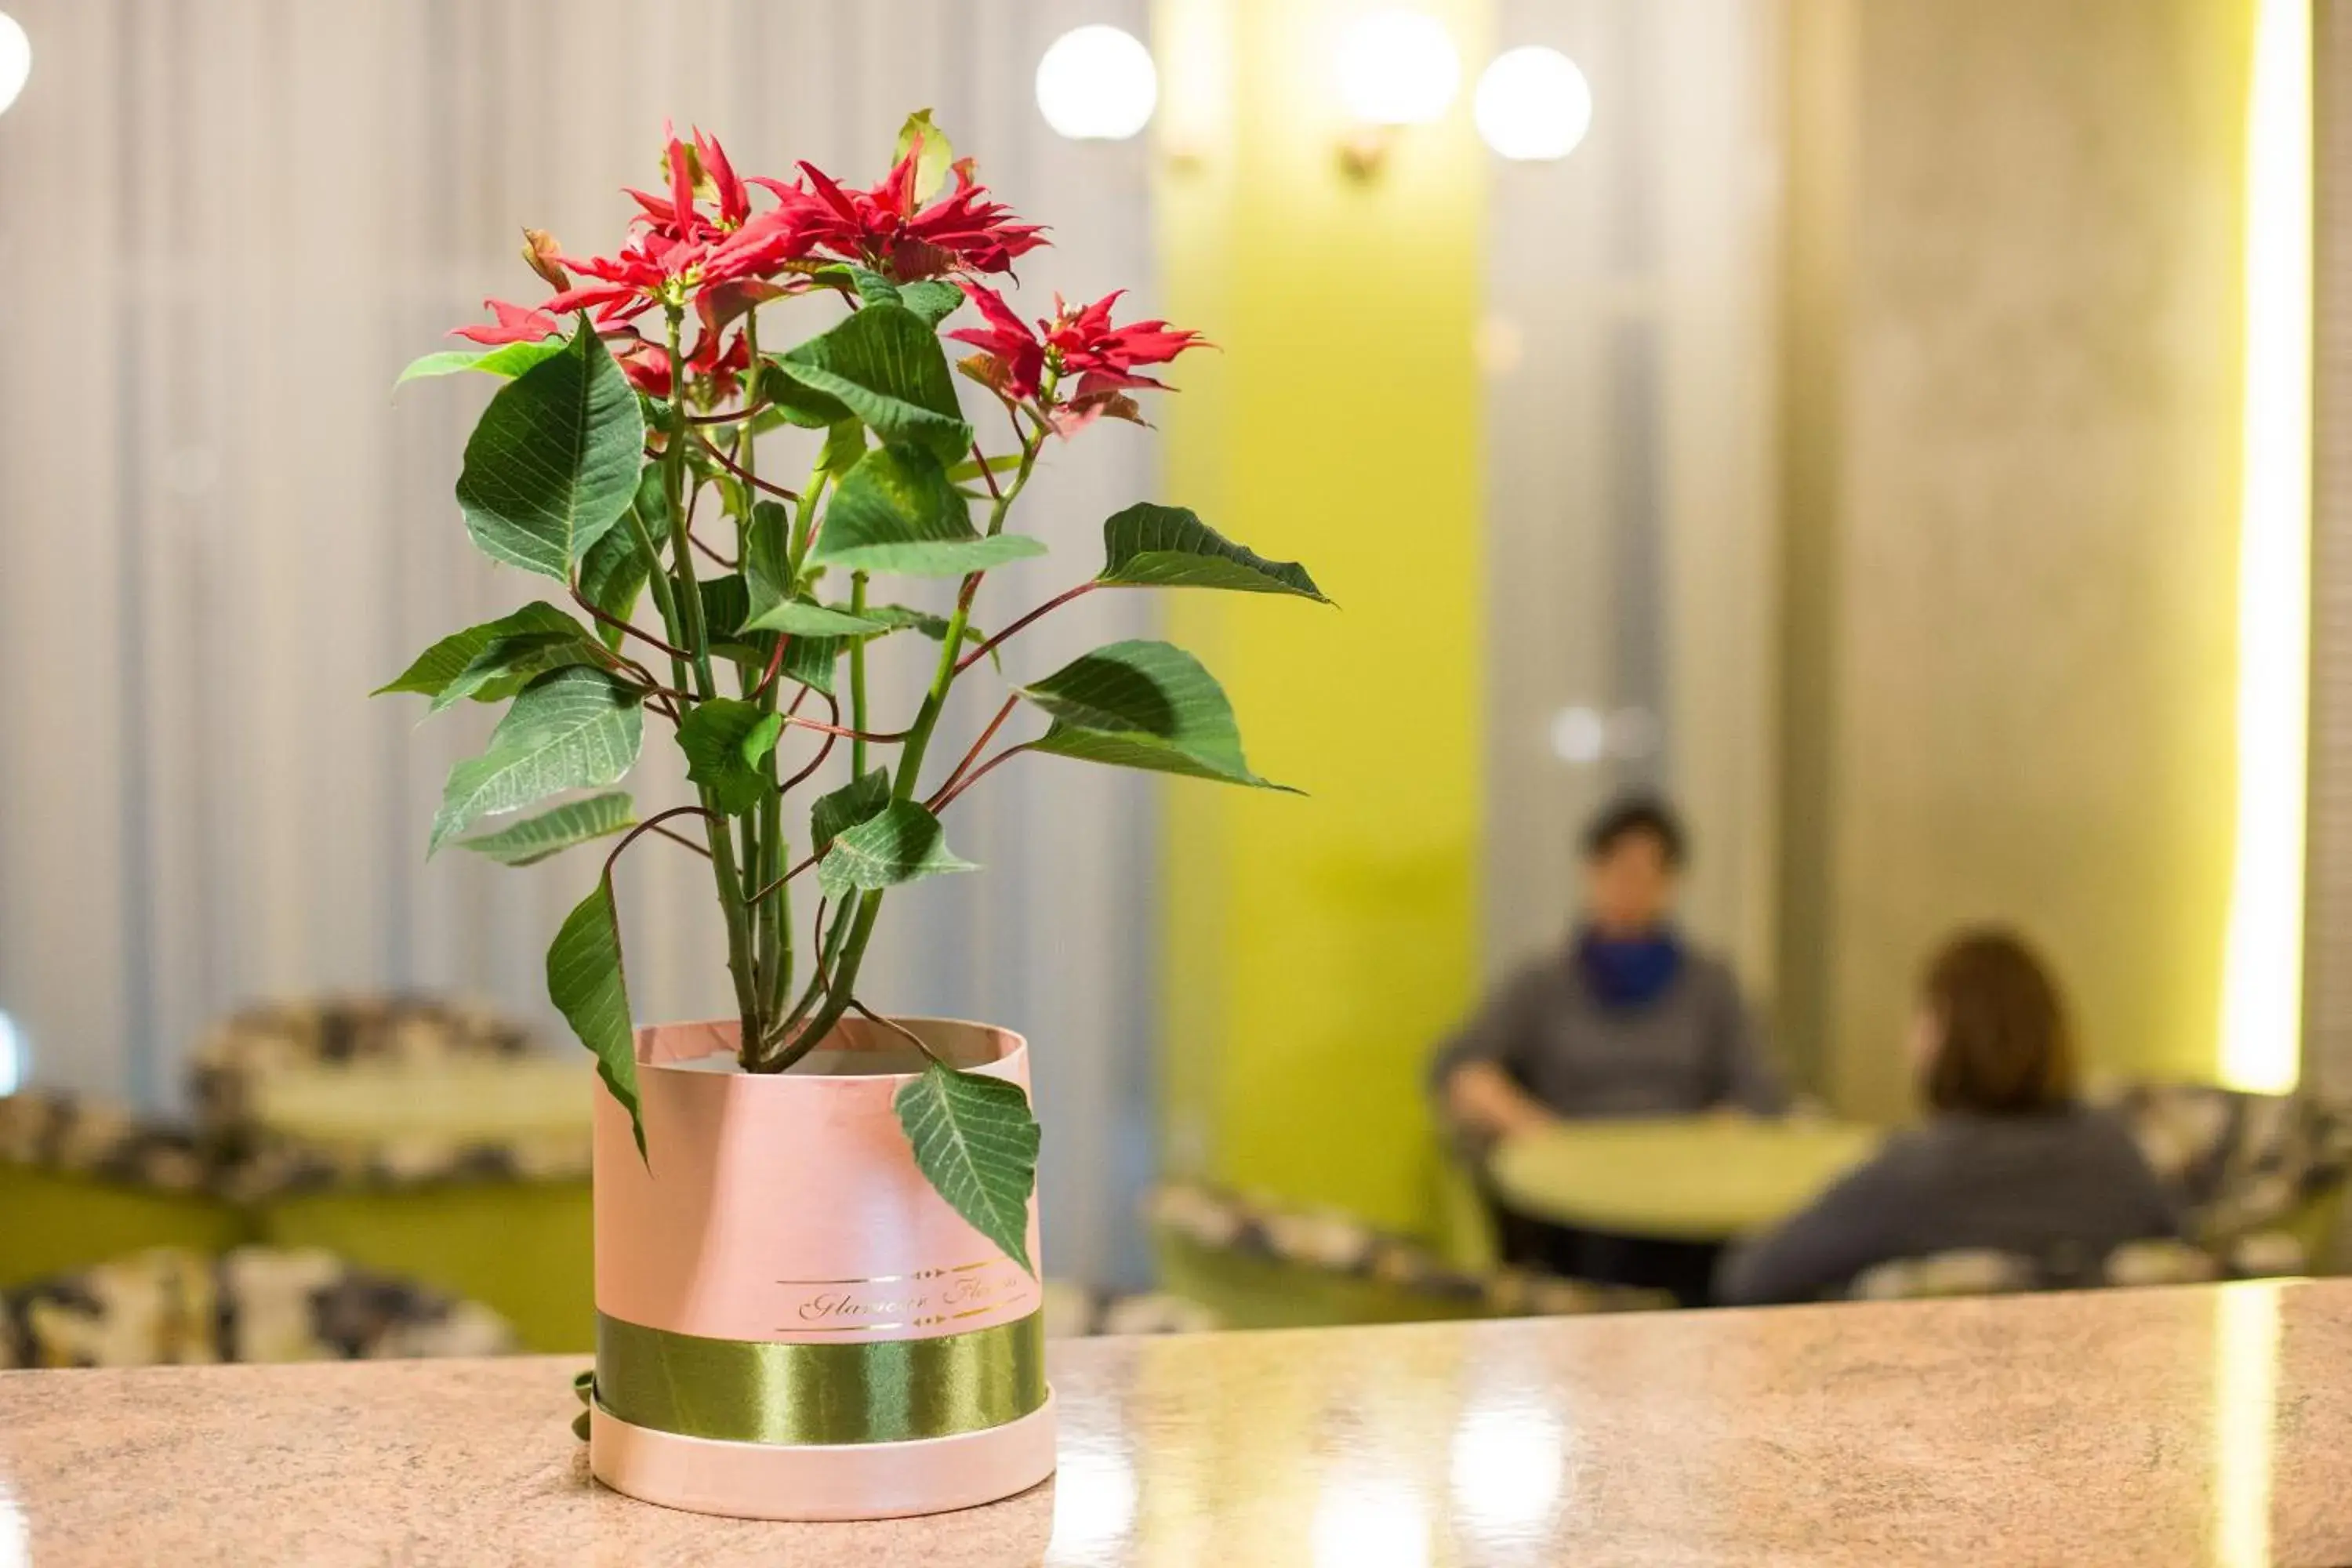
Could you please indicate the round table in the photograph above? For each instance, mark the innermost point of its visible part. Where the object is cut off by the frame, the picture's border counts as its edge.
(1696, 1179)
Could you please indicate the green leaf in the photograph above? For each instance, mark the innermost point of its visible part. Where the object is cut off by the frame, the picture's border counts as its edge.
(969, 469)
(885, 365)
(585, 981)
(553, 463)
(1143, 705)
(767, 548)
(859, 800)
(896, 512)
(938, 155)
(726, 742)
(934, 299)
(570, 729)
(976, 1142)
(1151, 546)
(506, 359)
(811, 661)
(726, 600)
(871, 287)
(510, 662)
(793, 401)
(534, 838)
(897, 844)
(612, 572)
(441, 663)
(844, 442)
(806, 617)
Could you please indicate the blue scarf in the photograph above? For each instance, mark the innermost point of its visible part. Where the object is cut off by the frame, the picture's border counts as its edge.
(1629, 972)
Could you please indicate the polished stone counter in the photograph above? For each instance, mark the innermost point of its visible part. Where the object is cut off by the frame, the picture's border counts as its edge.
(2145, 1427)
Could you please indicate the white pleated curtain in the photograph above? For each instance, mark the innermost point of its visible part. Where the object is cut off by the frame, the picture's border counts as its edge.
(225, 225)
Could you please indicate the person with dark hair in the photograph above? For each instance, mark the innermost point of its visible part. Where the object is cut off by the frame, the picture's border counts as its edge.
(1629, 1020)
(2009, 1159)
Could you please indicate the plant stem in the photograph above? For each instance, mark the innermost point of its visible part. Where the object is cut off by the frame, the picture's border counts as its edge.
(858, 681)
(843, 986)
(686, 605)
(772, 913)
(1055, 603)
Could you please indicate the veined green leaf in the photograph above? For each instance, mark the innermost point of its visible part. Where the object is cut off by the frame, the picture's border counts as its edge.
(897, 844)
(844, 442)
(585, 981)
(612, 572)
(1151, 546)
(806, 617)
(933, 162)
(885, 365)
(506, 359)
(441, 663)
(767, 546)
(969, 469)
(976, 1142)
(859, 800)
(726, 742)
(871, 287)
(511, 661)
(812, 661)
(553, 463)
(1143, 705)
(934, 299)
(895, 511)
(534, 838)
(570, 729)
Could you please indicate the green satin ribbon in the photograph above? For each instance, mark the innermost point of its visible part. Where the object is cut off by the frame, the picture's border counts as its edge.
(864, 1391)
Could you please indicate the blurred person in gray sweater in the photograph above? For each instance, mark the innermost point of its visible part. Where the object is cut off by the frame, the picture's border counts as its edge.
(1628, 1019)
(2008, 1159)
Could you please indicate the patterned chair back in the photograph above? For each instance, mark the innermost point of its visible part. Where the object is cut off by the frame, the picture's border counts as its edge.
(173, 1307)
(235, 1058)
(2238, 1165)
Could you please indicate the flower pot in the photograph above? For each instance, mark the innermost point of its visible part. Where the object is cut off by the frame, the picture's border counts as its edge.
(790, 1323)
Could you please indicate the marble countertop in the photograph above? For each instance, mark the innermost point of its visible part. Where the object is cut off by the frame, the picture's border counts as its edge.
(2145, 1427)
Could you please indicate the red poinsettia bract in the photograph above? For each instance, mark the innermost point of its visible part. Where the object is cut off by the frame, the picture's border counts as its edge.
(1081, 345)
(962, 231)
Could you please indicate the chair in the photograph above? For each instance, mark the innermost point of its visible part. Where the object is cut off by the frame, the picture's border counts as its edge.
(172, 1306)
(2261, 1177)
(1977, 1272)
(82, 1181)
(1254, 1264)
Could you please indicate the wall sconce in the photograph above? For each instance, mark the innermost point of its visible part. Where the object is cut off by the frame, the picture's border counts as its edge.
(1396, 69)
(1532, 104)
(15, 60)
(1097, 83)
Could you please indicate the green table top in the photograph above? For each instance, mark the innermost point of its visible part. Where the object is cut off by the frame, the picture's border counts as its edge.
(1703, 1178)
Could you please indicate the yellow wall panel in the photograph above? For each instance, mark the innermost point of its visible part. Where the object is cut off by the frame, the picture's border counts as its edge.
(1315, 948)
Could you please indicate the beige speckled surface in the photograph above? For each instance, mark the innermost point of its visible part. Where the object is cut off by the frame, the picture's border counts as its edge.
(2146, 1428)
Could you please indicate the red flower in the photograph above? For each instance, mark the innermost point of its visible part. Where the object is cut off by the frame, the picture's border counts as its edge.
(646, 271)
(1016, 358)
(1081, 343)
(514, 325)
(647, 366)
(962, 231)
(689, 169)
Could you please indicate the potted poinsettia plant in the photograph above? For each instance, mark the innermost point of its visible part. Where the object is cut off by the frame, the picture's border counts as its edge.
(816, 1254)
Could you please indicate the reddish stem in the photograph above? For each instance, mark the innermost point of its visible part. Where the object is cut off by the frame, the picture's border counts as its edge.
(626, 628)
(984, 650)
(754, 480)
(775, 664)
(986, 472)
(980, 745)
(650, 825)
(876, 737)
(946, 798)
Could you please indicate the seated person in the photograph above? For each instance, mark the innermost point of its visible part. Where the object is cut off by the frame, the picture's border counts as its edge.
(2009, 1160)
(1629, 1019)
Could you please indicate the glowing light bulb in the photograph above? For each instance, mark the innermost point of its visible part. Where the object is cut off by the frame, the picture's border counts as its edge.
(1532, 104)
(13, 1056)
(1097, 83)
(15, 60)
(1397, 67)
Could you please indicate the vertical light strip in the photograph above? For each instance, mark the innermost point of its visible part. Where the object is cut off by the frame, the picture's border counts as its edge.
(2262, 982)
(2245, 1396)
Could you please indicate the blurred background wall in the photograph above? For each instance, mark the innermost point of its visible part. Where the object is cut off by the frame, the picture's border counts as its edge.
(2012, 385)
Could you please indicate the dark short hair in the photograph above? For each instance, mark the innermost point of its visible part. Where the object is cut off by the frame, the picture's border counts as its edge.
(2006, 1047)
(1629, 814)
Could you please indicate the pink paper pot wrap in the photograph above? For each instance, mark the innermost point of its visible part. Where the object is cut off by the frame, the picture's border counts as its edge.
(790, 1323)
